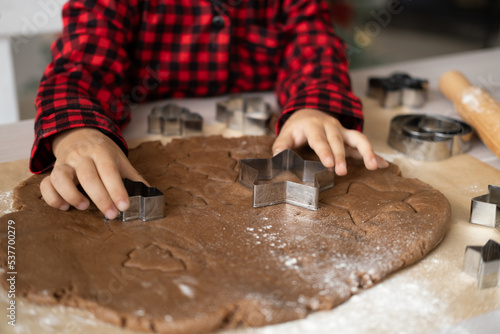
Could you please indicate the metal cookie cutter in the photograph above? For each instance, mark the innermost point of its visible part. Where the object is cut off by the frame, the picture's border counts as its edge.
(172, 120)
(398, 89)
(483, 263)
(485, 209)
(427, 137)
(146, 203)
(306, 196)
(250, 115)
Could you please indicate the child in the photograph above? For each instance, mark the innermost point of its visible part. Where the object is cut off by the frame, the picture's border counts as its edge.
(114, 53)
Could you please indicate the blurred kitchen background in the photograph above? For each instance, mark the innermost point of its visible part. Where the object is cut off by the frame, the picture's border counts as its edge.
(377, 32)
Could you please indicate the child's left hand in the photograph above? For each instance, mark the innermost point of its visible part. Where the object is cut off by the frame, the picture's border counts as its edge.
(328, 138)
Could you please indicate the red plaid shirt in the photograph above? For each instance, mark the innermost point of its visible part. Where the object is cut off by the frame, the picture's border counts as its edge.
(114, 54)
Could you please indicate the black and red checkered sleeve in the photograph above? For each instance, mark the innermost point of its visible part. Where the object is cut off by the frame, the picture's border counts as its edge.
(84, 83)
(314, 71)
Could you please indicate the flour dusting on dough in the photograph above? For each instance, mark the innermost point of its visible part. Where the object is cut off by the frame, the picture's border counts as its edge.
(186, 290)
(6, 202)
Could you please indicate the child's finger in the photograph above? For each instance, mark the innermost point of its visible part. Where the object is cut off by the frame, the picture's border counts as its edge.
(128, 171)
(319, 143)
(381, 162)
(336, 143)
(63, 178)
(282, 142)
(359, 141)
(51, 196)
(92, 184)
(112, 180)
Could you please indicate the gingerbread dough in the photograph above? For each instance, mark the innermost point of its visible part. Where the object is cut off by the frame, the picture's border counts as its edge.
(214, 261)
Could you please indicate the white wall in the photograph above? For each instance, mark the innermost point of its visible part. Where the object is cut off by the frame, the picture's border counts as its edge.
(22, 22)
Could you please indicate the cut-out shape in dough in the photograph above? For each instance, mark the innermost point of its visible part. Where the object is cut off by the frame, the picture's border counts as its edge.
(359, 196)
(219, 159)
(153, 257)
(176, 196)
(216, 173)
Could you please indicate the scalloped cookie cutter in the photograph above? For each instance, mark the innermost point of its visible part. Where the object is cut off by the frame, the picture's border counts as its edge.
(146, 203)
(483, 263)
(172, 120)
(485, 209)
(398, 89)
(253, 170)
(251, 115)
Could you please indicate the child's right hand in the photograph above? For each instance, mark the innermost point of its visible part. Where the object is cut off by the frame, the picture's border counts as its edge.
(328, 138)
(88, 157)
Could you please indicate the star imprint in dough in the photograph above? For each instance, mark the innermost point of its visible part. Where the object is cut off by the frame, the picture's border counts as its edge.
(363, 202)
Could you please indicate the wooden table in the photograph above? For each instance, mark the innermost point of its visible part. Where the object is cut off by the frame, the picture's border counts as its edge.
(431, 296)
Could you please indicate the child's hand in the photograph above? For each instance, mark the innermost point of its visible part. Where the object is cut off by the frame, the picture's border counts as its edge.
(87, 157)
(328, 138)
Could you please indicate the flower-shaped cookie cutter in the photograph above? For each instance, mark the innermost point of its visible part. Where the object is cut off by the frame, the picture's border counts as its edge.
(398, 89)
(485, 209)
(172, 120)
(483, 263)
(248, 114)
(317, 176)
(146, 203)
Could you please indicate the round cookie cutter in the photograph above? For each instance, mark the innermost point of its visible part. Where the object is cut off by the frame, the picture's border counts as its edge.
(429, 137)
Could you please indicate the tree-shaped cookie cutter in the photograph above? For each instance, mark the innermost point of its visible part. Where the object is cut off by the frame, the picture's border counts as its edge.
(146, 203)
(251, 115)
(307, 196)
(483, 263)
(172, 120)
(485, 209)
(398, 89)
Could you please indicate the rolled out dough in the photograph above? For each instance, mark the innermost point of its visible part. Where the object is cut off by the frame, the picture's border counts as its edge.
(214, 261)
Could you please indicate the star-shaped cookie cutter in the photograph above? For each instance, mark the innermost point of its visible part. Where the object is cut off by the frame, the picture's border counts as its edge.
(146, 203)
(483, 263)
(485, 209)
(172, 120)
(248, 114)
(398, 89)
(307, 196)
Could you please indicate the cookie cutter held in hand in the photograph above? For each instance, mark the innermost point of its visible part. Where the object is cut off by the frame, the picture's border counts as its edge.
(483, 263)
(251, 115)
(172, 120)
(146, 203)
(485, 209)
(398, 89)
(307, 196)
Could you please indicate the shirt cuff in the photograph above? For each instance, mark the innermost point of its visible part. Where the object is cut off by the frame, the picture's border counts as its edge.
(42, 157)
(346, 107)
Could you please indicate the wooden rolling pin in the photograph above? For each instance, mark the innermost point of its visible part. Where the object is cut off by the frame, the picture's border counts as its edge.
(475, 106)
